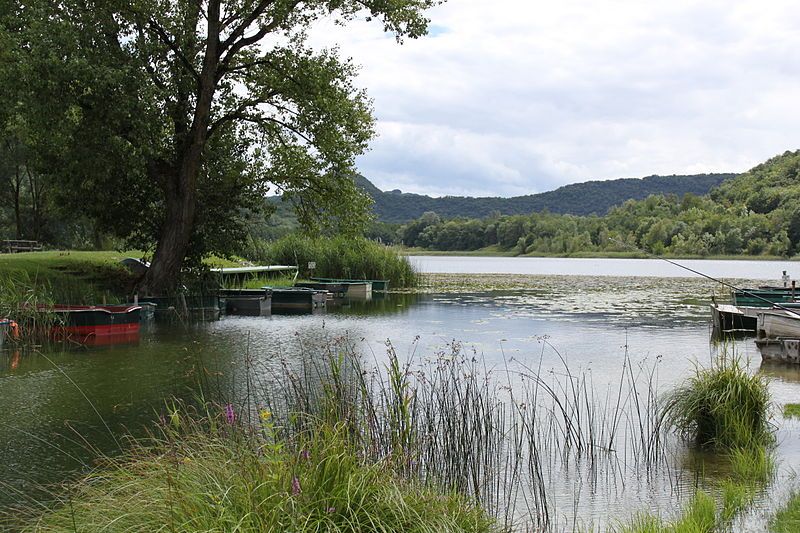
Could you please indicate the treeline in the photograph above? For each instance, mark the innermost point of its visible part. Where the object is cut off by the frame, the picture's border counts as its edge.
(757, 213)
(591, 197)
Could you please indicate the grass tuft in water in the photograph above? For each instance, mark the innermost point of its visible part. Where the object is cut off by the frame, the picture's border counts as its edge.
(722, 407)
(791, 410)
(787, 520)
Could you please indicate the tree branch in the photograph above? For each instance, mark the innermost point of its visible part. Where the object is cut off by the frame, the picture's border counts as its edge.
(165, 38)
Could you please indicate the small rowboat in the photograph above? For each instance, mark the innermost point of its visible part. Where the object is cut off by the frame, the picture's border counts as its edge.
(95, 324)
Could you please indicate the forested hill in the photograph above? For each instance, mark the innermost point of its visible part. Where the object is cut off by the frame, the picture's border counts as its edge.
(591, 197)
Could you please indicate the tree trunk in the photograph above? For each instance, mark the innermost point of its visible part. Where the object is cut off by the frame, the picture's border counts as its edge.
(180, 187)
(164, 273)
(17, 186)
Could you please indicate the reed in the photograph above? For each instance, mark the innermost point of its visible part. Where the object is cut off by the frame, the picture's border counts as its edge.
(494, 436)
(722, 407)
(213, 474)
(336, 257)
(29, 303)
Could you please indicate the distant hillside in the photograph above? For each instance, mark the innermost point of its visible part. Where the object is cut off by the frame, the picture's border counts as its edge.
(591, 197)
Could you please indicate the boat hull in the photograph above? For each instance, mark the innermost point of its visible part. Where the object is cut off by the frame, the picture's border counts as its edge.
(87, 324)
(776, 324)
(782, 350)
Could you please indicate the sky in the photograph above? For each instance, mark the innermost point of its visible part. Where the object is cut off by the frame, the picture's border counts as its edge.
(512, 97)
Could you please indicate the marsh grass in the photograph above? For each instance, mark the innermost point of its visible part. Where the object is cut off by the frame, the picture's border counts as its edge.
(28, 302)
(210, 473)
(337, 257)
(722, 407)
(493, 435)
(791, 410)
(787, 519)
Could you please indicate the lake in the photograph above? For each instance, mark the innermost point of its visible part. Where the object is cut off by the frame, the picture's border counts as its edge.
(589, 315)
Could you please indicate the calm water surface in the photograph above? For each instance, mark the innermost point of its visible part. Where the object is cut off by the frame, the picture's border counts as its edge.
(753, 270)
(660, 321)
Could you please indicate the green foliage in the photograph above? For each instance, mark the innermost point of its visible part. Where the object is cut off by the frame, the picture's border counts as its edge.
(336, 257)
(168, 122)
(591, 197)
(791, 410)
(211, 475)
(28, 302)
(699, 516)
(70, 277)
(787, 520)
(723, 407)
(737, 218)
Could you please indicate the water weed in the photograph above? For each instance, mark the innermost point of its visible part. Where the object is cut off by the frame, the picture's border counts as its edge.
(722, 407)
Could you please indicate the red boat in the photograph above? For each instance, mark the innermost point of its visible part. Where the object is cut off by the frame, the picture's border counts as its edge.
(97, 324)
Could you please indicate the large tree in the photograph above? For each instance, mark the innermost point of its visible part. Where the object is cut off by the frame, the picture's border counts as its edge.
(173, 117)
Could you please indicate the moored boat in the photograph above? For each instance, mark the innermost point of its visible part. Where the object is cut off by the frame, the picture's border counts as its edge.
(298, 300)
(778, 323)
(783, 350)
(377, 285)
(88, 324)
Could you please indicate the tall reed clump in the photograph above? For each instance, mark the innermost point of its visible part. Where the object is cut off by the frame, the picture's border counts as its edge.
(336, 257)
(28, 302)
(722, 407)
(213, 473)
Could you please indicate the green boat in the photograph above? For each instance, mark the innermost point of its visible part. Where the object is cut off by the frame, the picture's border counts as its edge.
(378, 285)
(763, 297)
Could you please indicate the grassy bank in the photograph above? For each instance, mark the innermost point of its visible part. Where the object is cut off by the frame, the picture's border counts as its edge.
(214, 474)
(336, 257)
(71, 277)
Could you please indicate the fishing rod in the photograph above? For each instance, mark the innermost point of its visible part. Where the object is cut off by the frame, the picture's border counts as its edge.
(722, 282)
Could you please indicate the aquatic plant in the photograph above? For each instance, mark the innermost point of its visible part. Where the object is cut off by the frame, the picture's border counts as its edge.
(210, 476)
(787, 519)
(336, 257)
(791, 410)
(29, 303)
(722, 407)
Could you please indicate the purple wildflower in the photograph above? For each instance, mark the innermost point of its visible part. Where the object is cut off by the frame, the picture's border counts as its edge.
(305, 454)
(230, 414)
(295, 486)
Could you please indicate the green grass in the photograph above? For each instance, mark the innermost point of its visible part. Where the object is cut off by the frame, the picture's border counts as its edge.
(722, 407)
(791, 410)
(787, 520)
(699, 516)
(337, 257)
(214, 475)
(72, 277)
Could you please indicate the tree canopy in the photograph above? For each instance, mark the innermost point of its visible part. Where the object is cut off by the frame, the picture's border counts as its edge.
(168, 121)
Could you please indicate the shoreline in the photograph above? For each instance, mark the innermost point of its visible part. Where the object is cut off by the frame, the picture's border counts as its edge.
(417, 252)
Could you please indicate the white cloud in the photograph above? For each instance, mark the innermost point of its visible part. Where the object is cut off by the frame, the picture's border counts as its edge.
(511, 96)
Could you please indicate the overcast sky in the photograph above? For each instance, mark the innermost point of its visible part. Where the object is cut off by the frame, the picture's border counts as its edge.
(510, 97)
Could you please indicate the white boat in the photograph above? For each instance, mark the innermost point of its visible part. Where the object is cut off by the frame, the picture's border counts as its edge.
(777, 324)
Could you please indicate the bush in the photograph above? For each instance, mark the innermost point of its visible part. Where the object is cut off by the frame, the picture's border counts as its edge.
(336, 257)
(722, 407)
